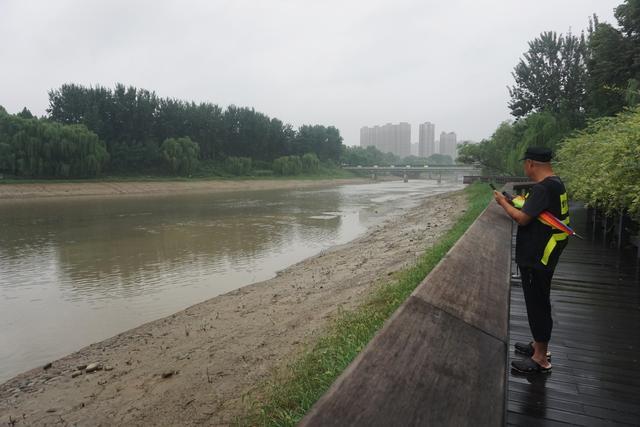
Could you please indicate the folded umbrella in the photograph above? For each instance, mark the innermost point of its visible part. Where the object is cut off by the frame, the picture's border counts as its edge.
(545, 217)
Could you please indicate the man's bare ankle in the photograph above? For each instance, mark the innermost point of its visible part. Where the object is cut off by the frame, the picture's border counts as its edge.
(542, 361)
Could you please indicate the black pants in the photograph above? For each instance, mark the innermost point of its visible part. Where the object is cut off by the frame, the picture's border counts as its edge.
(536, 285)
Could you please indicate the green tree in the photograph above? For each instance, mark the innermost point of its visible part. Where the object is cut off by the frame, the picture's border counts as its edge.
(632, 94)
(325, 142)
(439, 160)
(238, 165)
(180, 155)
(551, 77)
(494, 153)
(367, 156)
(310, 163)
(628, 16)
(609, 67)
(502, 152)
(287, 165)
(7, 158)
(469, 152)
(413, 161)
(25, 114)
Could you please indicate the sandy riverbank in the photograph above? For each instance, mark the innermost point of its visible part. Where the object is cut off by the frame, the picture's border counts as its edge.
(194, 367)
(11, 192)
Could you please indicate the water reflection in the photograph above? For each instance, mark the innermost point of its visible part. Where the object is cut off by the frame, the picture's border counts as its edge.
(531, 393)
(88, 269)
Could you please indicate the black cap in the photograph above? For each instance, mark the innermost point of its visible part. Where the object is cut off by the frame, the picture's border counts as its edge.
(539, 154)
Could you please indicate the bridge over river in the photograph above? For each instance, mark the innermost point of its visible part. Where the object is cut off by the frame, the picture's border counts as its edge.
(430, 172)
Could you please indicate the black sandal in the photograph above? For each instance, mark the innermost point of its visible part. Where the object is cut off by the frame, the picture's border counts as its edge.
(527, 349)
(529, 366)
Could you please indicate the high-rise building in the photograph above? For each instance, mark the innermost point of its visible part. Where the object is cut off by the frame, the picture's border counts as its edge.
(427, 139)
(449, 144)
(403, 139)
(365, 137)
(388, 138)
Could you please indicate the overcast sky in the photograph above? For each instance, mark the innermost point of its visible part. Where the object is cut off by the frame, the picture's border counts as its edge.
(342, 63)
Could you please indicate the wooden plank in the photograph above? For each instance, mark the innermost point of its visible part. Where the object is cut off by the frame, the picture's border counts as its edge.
(548, 416)
(519, 420)
(552, 394)
(426, 368)
(470, 282)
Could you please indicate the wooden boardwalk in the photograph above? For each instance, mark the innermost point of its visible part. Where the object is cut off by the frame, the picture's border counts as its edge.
(595, 344)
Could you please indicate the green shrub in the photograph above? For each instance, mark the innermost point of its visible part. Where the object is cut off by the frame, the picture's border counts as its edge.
(240, 166)
(287, 165)
(180, 155)
(601, 164)
(210, 168)
(262, 172)
(310, 163)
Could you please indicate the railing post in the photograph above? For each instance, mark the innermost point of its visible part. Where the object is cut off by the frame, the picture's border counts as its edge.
(620, 223)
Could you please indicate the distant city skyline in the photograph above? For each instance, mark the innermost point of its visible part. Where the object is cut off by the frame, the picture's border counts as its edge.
(396, 139)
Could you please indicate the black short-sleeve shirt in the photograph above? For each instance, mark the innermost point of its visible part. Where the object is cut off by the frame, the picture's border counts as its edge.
(533, 238)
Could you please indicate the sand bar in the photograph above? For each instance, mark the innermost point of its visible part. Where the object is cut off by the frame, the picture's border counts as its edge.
(12, 192)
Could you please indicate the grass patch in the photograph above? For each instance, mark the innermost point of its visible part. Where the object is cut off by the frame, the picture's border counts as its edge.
(286, 399)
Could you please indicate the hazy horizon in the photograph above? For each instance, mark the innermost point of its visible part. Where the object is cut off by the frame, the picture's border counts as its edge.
(342, 64)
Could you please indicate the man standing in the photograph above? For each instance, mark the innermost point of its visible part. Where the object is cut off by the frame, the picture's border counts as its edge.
(538, 248)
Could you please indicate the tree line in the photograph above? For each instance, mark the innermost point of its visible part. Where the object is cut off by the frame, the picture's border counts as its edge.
(142, 132)
(127, 130)
(576, 95)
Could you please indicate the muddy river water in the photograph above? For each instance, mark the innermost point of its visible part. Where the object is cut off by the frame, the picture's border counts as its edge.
(76, 271)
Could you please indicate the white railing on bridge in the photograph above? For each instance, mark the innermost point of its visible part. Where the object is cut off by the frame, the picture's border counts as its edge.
(427, 168)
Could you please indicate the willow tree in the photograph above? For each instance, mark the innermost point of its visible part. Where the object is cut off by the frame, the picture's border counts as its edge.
(40, 148)
(180, 155)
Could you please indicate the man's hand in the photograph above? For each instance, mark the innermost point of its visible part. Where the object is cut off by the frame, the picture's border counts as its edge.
(517, 215)
(499, 197)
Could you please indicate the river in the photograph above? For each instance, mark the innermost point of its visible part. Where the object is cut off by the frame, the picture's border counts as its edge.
(76, 271)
